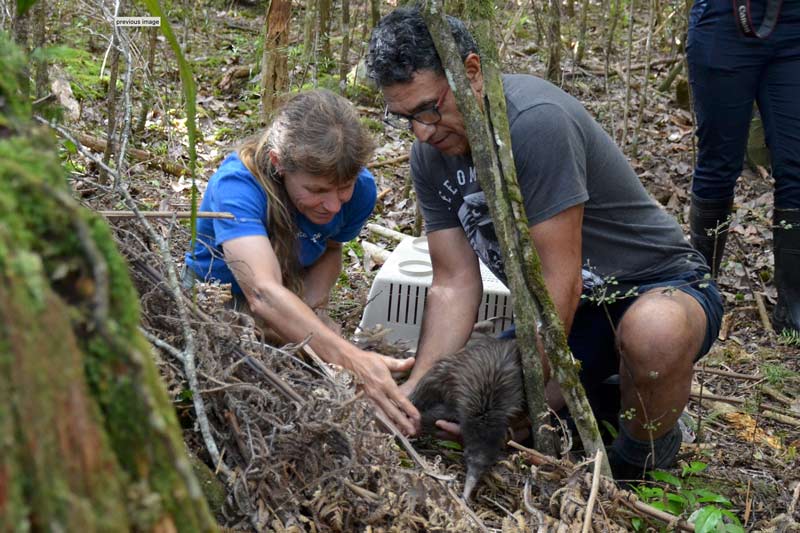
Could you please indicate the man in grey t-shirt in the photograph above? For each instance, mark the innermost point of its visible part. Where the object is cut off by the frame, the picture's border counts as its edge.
(588, 215)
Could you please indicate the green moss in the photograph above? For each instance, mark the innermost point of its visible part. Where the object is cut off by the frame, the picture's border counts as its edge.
(375, 126)
(14, 106)
(49, 262)
(83, 69)
(28, 267)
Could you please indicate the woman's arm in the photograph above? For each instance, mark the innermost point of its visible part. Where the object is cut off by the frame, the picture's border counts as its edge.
(255, 266)
(322, 275)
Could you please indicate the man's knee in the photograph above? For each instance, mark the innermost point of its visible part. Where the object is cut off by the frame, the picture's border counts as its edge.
(662, 332)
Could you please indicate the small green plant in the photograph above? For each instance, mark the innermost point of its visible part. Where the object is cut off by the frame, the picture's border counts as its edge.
(355, 247)
(777, 374)
(343, 280)
(223, 133)
(707, 510)
(789, 337)
(375, 126)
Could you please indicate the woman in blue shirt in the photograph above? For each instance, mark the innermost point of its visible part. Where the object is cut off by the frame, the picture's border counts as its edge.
(297, 192)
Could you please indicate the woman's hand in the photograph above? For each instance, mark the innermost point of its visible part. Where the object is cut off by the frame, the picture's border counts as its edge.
(375, 372)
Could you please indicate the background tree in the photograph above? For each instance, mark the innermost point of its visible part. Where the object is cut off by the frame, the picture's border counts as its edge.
(554, 41)
(344, 52)
(324, 31)
(274, 64)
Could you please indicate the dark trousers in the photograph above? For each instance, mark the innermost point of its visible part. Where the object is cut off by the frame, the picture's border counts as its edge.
(728, 72)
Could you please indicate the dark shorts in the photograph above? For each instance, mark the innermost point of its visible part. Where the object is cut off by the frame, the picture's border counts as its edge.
(592, 339)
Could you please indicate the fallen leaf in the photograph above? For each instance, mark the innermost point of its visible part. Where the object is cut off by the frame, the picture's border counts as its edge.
(749, 432)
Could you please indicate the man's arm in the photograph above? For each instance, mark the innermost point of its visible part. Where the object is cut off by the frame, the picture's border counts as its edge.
(452, 303)
(558, 243)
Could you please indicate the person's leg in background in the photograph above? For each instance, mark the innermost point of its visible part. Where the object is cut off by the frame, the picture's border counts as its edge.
(779, 102)
(724, 70)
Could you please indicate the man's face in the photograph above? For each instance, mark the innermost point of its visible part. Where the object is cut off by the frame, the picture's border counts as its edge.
(425, 90)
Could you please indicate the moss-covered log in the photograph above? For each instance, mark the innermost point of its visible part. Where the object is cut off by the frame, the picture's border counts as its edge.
(90, 441)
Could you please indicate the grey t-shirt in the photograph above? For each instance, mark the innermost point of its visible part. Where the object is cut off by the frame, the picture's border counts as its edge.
(563, 158)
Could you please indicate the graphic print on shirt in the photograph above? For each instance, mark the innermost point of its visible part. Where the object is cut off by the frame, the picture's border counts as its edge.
(315, 238)
(479, 228)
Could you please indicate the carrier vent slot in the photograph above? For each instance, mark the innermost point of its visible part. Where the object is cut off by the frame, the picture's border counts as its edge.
(389, 306)
(399, 302)
(416, 303)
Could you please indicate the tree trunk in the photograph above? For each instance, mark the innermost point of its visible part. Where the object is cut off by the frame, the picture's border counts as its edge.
(42, 82)
(274, 67)
(90, 439)
(375, 12)
(490, 144)
(581, 47)
(325, 30)
(344, 55)
(554, 42)
(149, 83)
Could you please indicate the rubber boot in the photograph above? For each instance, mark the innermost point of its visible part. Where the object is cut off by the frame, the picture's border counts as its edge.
(786, 243)
(708, 227)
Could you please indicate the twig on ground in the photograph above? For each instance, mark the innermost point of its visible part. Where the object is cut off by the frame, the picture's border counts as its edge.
(361, 491)
(375, 253)
(587, 521)
(748, 503)
(99, 145)
(795, 498)
(158, 343)
(283, 387)
(387, 162)
(386, 232)
(726, 373)
(777, 395)
(466, 508)
(762, 313)
(772, 412)
(165, 214)
(629, 499)
(609, 488)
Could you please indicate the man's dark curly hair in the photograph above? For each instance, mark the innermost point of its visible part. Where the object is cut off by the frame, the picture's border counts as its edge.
(401, 45)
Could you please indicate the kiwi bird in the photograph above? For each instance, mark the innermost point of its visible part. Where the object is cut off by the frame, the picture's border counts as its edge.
(479, 387)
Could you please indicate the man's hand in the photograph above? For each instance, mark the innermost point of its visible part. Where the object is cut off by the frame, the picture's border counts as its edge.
(375, 371)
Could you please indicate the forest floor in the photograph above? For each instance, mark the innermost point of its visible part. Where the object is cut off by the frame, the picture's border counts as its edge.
(321, 463)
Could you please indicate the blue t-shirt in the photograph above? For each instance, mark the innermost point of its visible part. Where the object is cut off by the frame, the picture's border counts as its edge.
(234, 189)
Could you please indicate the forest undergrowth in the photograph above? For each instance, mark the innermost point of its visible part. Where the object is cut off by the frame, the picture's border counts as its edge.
(299, 450)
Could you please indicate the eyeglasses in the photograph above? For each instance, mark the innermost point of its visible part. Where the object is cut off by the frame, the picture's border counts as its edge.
(428, 116)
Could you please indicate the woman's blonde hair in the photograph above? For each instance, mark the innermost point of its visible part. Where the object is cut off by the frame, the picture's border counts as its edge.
(316, 132)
